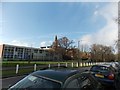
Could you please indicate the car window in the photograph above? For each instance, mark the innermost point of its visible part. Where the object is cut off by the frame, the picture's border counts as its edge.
(88, 82)
(100, 68)
(35, 82)
(73, 84)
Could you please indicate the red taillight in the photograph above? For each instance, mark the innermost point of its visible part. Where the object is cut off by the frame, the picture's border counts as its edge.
(111, 76)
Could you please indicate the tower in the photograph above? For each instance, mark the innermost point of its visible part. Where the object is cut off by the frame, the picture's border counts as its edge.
(55, 43)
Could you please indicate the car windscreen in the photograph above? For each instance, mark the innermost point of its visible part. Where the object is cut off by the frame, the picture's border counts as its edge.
(33, 82)
(100, 69)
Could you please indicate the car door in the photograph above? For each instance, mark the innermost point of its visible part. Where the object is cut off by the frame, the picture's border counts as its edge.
(72, 83)
(88, 82)
(117, 81)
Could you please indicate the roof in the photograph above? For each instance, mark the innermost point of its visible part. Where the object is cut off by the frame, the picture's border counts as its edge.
(106, 65)
(56, 74)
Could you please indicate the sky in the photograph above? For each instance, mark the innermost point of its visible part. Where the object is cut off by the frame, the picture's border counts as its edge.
(37, 23)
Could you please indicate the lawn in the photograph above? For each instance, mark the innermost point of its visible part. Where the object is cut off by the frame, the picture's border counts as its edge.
(40, 64)
(26, 63)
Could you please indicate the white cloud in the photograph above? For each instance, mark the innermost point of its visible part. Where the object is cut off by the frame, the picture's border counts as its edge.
(42, 44)
(1, 21)
(45, 43)
(109, 33)
(96, 12)
(18, 43)
(1, 42)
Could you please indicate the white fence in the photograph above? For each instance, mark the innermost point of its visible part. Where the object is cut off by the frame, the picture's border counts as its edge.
(72, 64)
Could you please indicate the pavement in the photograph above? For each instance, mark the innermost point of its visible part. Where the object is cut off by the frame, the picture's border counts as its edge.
(6, 82)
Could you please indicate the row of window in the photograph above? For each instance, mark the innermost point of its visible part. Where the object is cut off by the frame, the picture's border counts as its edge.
(24, 50)
(18, 56)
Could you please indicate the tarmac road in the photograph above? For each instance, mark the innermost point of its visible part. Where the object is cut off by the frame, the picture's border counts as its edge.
(6, 82)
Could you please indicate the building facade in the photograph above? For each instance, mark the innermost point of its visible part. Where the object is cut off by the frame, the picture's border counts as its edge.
(11, 52)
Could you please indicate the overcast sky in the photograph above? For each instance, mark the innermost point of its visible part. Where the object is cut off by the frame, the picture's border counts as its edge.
(36, 23)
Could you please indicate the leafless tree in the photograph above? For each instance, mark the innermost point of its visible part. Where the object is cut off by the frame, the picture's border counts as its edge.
(102, 53)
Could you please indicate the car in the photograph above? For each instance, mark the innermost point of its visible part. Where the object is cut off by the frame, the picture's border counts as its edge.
(105, 74)
(117, 82)
(115, 65)
(58, 79)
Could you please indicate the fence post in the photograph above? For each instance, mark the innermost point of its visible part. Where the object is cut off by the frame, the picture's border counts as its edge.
(90, 63)
(49, 66)
(77, 64)
(58, 64)
(72, 64)
(34, 67)
(87, 64)
(81, 64)
(17, 68)
(66, 64)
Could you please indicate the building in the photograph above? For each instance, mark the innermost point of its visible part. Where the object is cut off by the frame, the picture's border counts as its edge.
(11, 52)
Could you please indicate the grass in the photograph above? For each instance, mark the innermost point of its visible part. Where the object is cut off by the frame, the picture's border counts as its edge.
(25, 63)
(9, 73)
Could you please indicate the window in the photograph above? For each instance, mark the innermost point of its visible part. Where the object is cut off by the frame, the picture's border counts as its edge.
(35, 51)
(100, 69)
(40, 51)
(89, 83)
(33, 82)
(73, 84)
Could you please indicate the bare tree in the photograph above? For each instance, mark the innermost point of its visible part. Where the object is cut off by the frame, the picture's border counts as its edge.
(102, 53)
(64, 42)
(64, 46)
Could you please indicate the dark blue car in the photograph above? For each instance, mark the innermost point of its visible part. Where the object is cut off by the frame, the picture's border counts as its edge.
(105, 74)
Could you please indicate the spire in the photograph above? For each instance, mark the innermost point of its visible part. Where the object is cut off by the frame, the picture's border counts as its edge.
(56, 38)
(56, 42)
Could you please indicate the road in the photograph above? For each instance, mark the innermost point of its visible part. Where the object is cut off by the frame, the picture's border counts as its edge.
(6, 82)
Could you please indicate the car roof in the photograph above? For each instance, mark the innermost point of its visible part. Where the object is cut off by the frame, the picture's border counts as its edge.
(106, 65)
(55, 74)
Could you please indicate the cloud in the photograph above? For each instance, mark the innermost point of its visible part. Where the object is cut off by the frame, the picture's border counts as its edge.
(109, 33)
(96, 12)
(19, 43)
(1, 42)
(1, 21)
(45, 43)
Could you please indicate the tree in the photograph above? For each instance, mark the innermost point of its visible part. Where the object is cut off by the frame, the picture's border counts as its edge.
(65, 43)
(117, 43)
(64, 47)
(102, 53)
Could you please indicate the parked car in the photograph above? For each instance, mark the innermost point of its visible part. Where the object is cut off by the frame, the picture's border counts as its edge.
(115, 65)
(105, 73)
(117, 80)
(57, 79)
